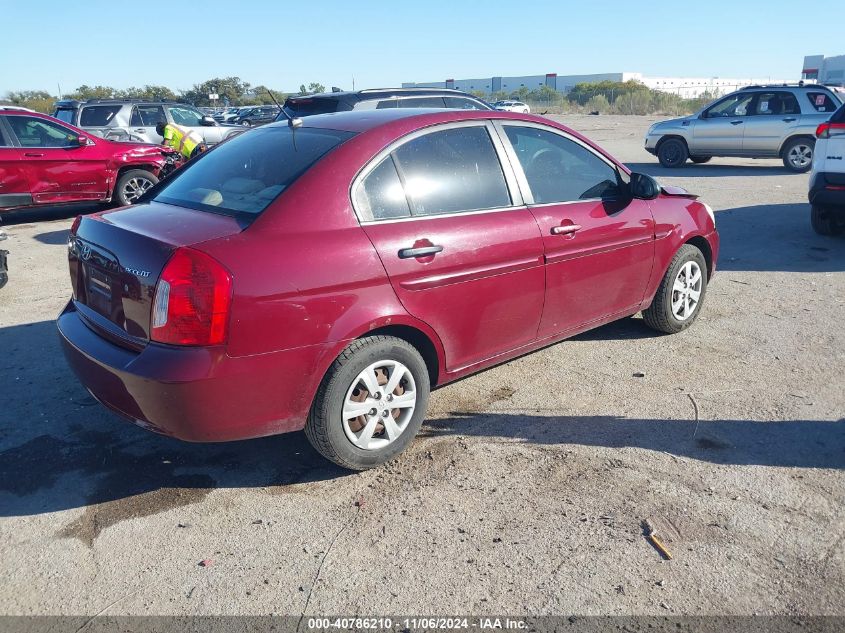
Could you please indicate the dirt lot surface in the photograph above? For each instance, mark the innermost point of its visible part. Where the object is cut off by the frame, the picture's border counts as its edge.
(525, 492)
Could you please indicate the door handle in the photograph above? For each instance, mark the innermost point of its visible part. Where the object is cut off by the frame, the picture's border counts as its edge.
(566, 229)
(735, 122)
(33, 155)
(789, 119)
(422, 251)
(140, 130)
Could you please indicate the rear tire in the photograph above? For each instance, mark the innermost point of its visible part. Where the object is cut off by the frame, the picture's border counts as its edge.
(672, 153)
(798, 154)
(700, 160)
(342, 438)
(824, 222)
(672, 310)
(132, 185)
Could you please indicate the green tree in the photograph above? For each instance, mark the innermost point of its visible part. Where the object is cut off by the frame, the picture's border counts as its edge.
(232, 88)
(93, 92)
(149, 92)
(312, 89)
(39, 100)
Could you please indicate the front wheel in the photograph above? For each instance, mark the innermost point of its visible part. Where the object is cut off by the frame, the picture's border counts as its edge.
(824, 222)
(678, 300)
(798, 155)
(246, 123)
(371, 403)
(700, 160)
(132, 185)
(672, 153)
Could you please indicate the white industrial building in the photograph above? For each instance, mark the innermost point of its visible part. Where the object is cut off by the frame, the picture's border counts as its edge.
(686, 87)
(824, 70)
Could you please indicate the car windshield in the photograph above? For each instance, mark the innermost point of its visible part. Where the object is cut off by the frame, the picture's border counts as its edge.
(309, 107)
(245, 174)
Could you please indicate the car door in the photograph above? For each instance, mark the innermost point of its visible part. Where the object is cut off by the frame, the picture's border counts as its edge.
(773, 115)
(14, 187)
(598, 243)
(57, 167)
(143, 121)
(462, 252)
(720, 128)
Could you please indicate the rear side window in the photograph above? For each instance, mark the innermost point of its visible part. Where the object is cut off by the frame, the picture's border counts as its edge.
(460, 103)
(147, 116)
(380, 196)
(98, 116)
(822, 102)
(421, 102)
(452, 170)
(246, 173)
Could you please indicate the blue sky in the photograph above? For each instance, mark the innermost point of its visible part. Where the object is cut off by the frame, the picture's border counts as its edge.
(285, 44)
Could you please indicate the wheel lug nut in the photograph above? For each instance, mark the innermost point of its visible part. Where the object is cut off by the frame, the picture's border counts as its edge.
(373, 412)
(385, 413)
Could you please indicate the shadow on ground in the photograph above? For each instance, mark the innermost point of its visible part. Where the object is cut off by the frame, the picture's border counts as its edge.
(776, 237)
(59, 449)
(47, 213)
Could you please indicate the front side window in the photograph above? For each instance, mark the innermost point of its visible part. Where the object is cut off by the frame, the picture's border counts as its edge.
(245, 174)
(185, 116)
(559, 169)
(34, 132)
(450, 171)
(734, 105)
(147, 116)
(98, 116)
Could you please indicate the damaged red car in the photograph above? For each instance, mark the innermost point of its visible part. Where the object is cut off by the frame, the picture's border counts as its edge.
(329, 272)
(44, 161)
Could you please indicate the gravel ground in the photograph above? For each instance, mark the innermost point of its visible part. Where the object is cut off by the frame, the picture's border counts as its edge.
(524, 493)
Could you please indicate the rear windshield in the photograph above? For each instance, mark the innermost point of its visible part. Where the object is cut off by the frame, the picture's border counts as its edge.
(64, 114)
(98, 116)
(309, 107)
(245, 174)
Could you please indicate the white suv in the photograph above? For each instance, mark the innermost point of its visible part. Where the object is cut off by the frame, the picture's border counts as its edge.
(827, 180)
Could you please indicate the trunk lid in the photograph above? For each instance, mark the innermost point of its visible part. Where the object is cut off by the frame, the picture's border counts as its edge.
(117, 257)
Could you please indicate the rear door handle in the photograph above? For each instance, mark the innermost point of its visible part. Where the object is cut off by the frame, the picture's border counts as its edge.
(735, 122)
(33, 155)
(422, 251)
(565, 229)
(789, 119)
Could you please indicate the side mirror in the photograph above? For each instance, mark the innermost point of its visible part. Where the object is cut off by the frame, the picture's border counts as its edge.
(207, 121)
(644, 187)
(82, 141)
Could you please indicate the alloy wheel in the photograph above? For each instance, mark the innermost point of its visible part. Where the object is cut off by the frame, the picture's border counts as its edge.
(135, 188)
(800, 156)
(686, 291)
(379, 405)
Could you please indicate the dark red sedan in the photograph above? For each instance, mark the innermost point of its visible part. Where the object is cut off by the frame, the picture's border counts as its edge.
(329, 274)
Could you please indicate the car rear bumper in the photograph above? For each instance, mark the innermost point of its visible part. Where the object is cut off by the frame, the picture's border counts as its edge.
(827, 189)
(196, 394)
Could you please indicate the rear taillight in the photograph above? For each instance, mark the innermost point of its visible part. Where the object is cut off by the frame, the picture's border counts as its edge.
(75, 226)
(824, 130)
(192, 300)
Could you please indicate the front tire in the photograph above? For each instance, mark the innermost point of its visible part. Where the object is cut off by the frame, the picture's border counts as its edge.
(798, 155)
(678, 300)
(672, 153)
(824, 222)
(700, 160)
(132, 185)
(371, 403)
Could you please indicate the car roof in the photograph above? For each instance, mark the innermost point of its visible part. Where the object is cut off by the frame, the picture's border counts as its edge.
(381, 93)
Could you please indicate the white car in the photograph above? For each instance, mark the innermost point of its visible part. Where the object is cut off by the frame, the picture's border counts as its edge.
(512, 106)
(827, 178)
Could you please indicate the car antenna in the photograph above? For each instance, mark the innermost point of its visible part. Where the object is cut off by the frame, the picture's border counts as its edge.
(293, 121)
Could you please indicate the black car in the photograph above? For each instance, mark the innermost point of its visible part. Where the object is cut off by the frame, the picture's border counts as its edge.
(259, 115)
(377, 99)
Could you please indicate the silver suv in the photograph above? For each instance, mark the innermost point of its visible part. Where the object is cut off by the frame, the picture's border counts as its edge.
(135, 120)
(755, 122)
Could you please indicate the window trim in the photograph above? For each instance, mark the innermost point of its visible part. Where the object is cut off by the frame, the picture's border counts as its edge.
(525, 189)
(365, 217)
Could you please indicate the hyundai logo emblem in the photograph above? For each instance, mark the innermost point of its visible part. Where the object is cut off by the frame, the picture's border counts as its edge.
(85, 252)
